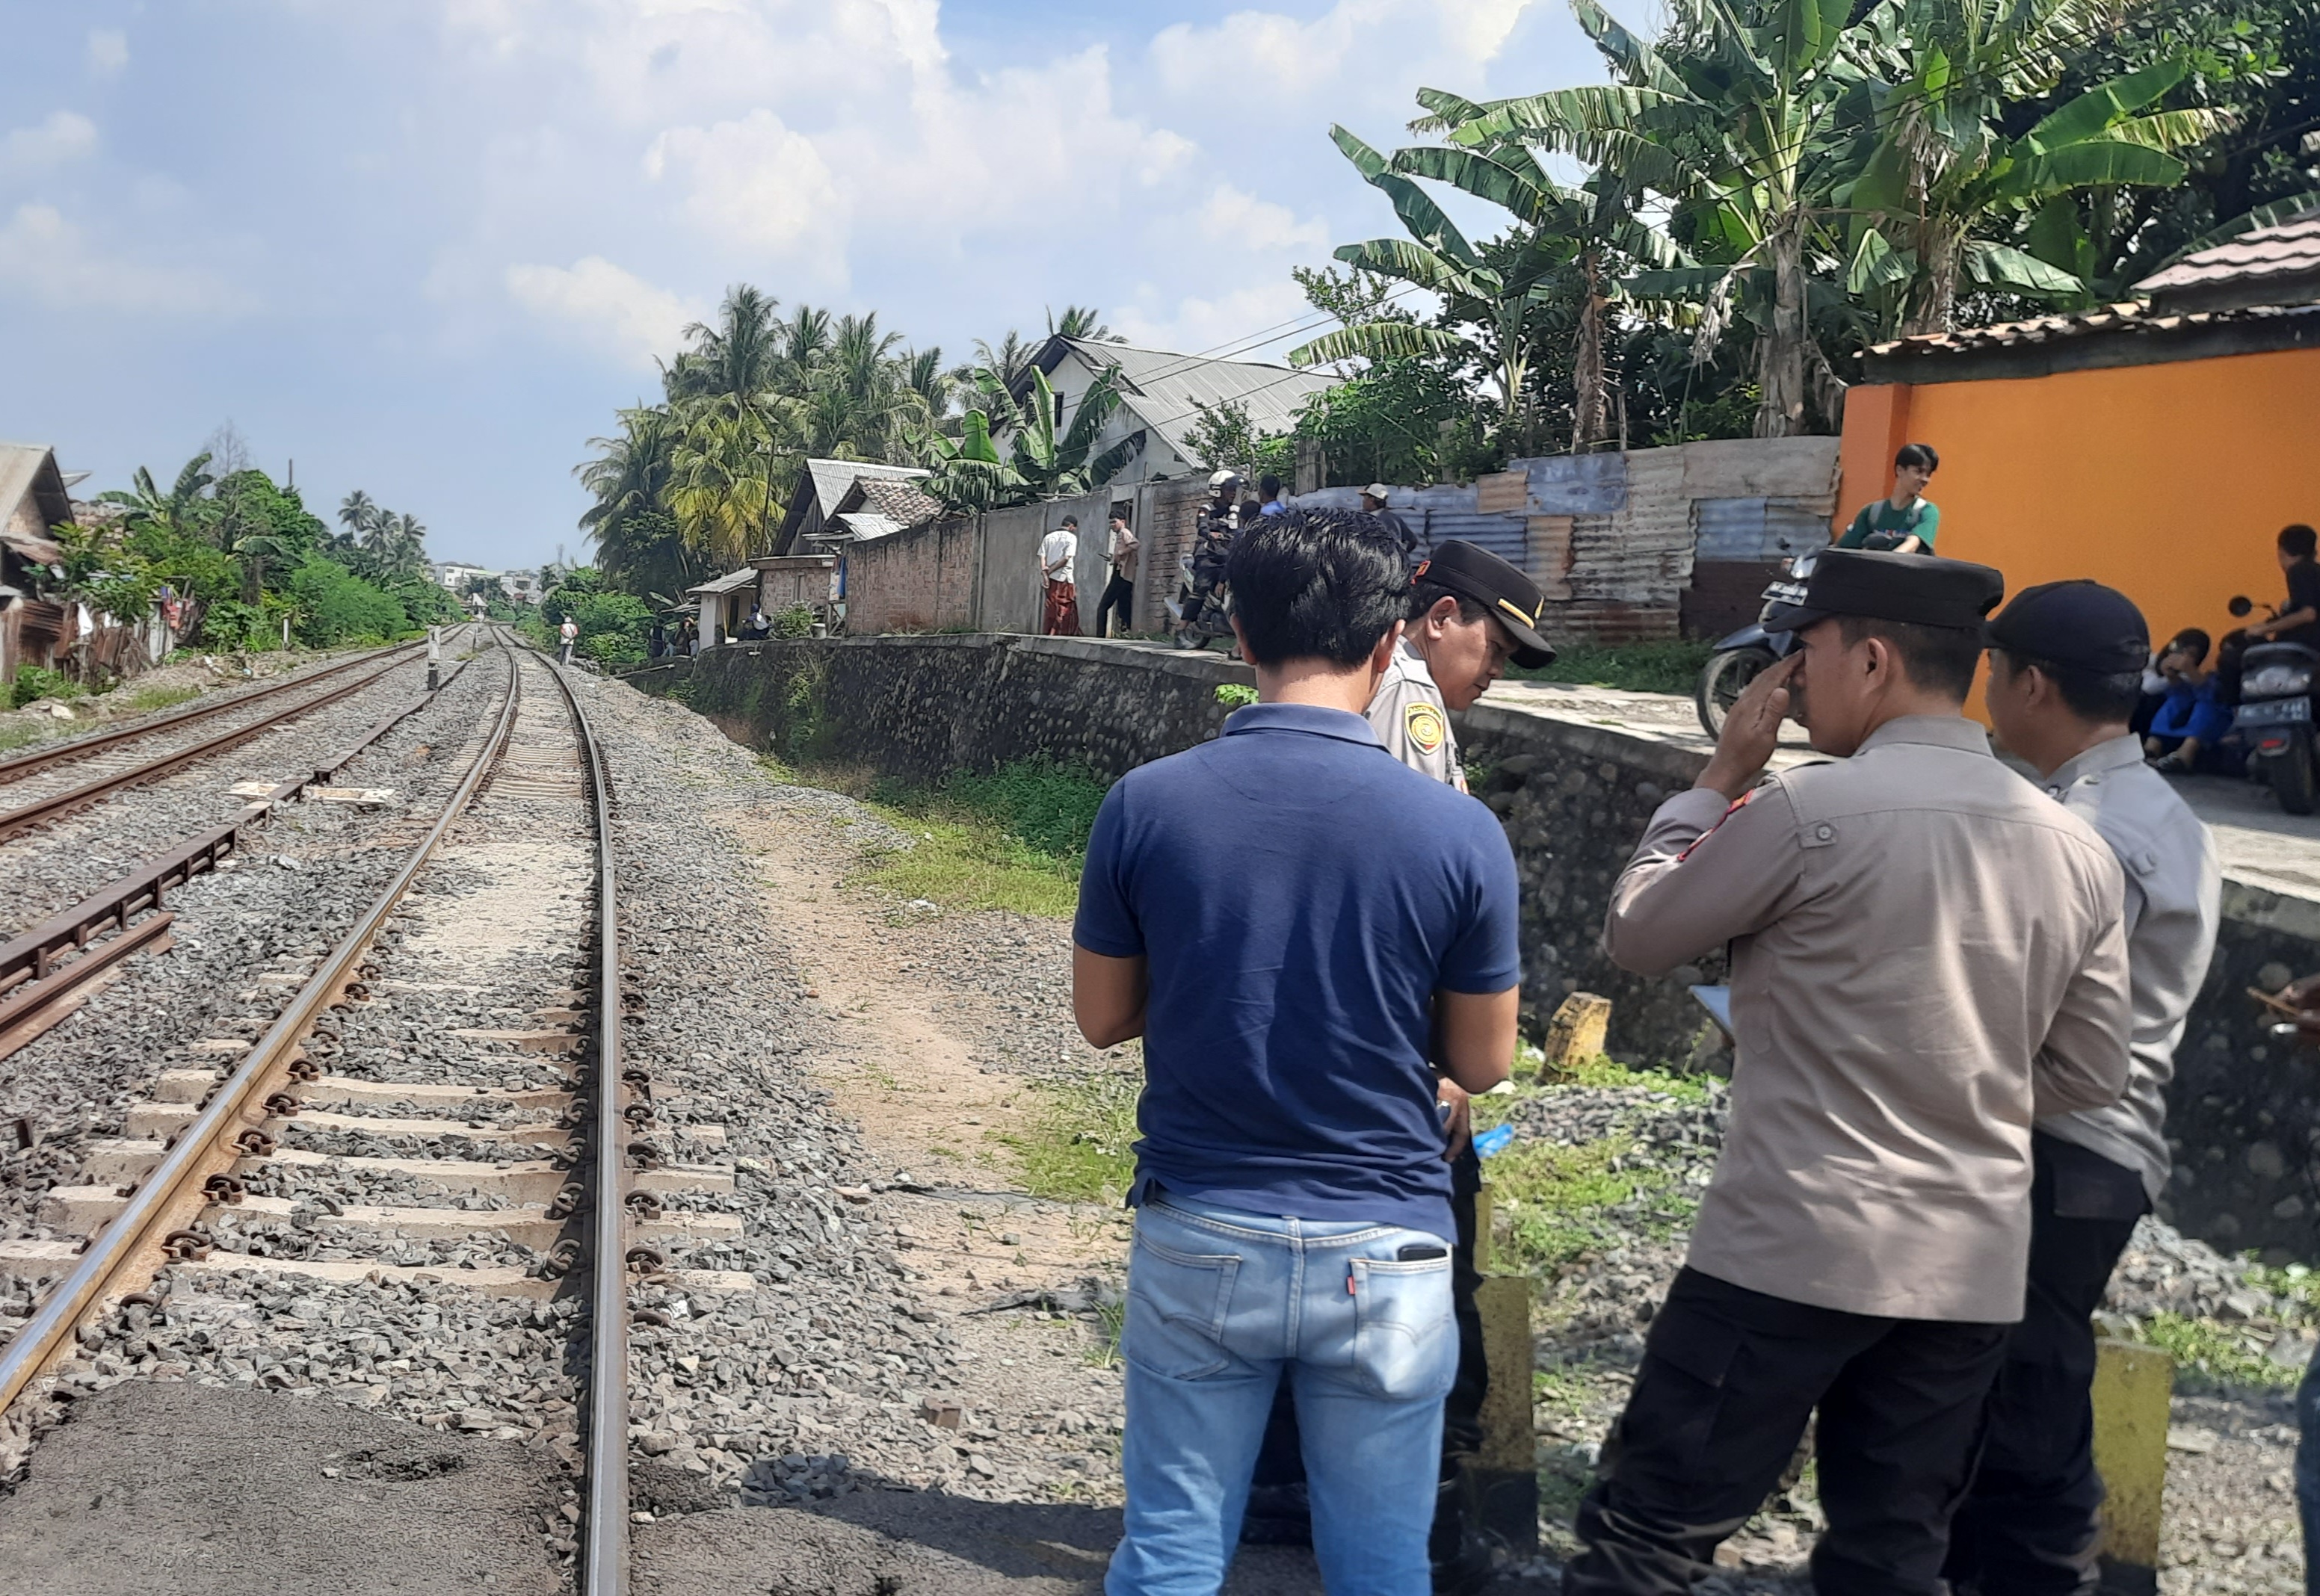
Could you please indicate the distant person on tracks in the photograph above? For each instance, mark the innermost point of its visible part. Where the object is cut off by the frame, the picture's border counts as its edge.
(1293, 1217)
(1059, 614)
(1905, 523)
(1927, 954)
(570, 634)
(2066, 663)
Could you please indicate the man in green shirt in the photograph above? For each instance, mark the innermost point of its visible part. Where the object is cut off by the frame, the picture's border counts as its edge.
(1906, 523)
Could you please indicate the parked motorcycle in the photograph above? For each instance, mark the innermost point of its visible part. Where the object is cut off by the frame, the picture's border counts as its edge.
(2274, 718)
(1739, 657)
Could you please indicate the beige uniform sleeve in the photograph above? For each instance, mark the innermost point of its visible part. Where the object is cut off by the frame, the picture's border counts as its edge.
(2084, 1062)
(1412, 725)
(1706, 873)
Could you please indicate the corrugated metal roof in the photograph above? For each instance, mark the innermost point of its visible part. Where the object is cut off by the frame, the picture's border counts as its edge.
(1167, 390)
(726, 583)
(867, 523)
(2270, 265)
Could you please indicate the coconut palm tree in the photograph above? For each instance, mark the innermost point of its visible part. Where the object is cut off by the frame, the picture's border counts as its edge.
(1082, 321)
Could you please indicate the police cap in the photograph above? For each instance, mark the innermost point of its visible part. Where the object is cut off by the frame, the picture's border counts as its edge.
(1919, 590)
(2080, 624)
(1474, 572)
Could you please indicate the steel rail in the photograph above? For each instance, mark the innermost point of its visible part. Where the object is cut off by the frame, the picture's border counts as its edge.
(41, 759)
(604, 1560)
(172, 1195)
(48, 808)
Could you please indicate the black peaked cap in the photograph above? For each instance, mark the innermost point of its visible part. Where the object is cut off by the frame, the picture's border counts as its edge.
(2081, 623)
(1920, 590)
(1474, 572)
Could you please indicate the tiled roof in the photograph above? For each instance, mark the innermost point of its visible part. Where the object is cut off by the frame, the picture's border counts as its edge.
(901, 501)
(2130, 319)
(2282, 261)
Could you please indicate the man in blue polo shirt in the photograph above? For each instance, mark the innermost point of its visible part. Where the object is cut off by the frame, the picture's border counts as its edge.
(1302, 929)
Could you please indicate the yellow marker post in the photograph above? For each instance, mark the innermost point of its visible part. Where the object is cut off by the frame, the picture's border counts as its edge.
(2132, 1391)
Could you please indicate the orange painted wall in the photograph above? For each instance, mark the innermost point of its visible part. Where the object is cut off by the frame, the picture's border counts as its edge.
(2169, 482)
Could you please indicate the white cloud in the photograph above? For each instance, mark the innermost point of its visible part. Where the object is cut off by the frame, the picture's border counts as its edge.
(51, 260)
(611, 309)
(1223, 322)
(65, 136)
(108, 51)
(753, 182)
(1236, 217)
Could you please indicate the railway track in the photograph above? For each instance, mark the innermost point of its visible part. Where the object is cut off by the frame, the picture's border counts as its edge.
(49, 970)
(51, 782)
(511, 1159)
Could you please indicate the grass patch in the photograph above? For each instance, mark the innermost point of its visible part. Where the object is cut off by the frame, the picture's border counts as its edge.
(1012, 840)
(13, 737)
(146, 699)
(1549, 1200)
(1074, 1147)
(1668, 667)
(2218, 1354)
(1602, 1071)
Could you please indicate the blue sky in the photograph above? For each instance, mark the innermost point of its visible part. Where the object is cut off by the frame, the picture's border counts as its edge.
(425, 247)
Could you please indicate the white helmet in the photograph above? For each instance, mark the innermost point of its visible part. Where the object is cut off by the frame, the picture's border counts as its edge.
(1218, 479)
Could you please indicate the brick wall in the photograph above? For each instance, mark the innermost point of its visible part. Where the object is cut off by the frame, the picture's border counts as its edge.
(919, 580)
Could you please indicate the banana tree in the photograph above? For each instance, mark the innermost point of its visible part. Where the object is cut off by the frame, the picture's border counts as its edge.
(969, 474)
(1736, 128)
(1052, 458)
(1574, 232)
(1437, 257)
(1945, 187)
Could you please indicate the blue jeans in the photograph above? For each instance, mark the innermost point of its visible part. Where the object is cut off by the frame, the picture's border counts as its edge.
(1221, 1306)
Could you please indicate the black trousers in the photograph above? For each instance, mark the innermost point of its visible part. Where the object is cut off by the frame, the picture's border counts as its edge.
(1119, 593)
(2029, 1525)
(1729, 1378)
(1280, 1460)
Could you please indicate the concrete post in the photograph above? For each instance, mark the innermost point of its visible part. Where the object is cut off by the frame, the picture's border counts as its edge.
(1502, 1479)
(2132, 1391)
(434, 658)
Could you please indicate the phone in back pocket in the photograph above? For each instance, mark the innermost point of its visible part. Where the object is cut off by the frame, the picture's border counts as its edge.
(1418, 1252)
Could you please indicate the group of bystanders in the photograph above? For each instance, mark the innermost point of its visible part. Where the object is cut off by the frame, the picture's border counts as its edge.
(1955, 1000)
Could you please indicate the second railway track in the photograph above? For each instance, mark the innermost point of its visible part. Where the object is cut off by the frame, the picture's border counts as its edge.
(436, 1125)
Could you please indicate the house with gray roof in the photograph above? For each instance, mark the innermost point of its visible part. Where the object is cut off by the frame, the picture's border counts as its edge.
(827, 489)
(1161, 397)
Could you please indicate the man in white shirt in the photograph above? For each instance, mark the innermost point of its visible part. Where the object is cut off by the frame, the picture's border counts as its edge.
(1060, 616)
(570, 633)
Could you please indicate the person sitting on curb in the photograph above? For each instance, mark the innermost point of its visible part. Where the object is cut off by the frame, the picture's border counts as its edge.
(1295, 983)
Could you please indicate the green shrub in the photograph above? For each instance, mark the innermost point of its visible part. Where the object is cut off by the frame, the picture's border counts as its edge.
(796, 621)
(1235, 695)
(336, 607)
(1049, 808)
(38, 681)
(613, 626)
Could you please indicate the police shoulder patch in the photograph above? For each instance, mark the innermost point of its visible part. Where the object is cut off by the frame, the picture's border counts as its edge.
(1423, 723)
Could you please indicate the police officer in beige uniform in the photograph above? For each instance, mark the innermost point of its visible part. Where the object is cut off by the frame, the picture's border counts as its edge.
(1927, 954)
(1470, 613)
(2066, 670)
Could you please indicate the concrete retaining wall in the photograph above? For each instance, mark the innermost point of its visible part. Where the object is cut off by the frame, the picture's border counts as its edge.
(1573, 798)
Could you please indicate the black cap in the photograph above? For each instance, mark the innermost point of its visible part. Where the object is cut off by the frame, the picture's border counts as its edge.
(1513, 598)
(1920, 590)
(2081, 624)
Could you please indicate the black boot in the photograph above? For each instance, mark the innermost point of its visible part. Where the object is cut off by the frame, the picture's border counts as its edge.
(1460, 1557)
